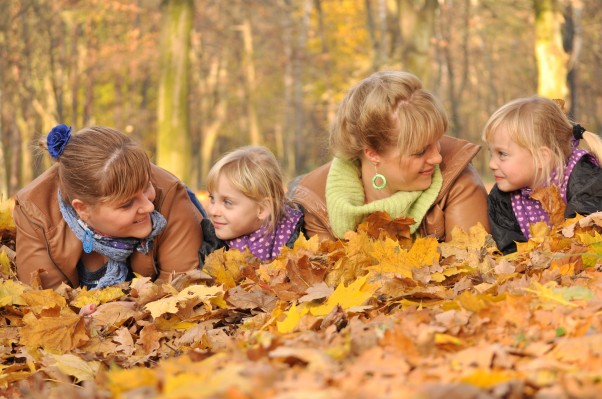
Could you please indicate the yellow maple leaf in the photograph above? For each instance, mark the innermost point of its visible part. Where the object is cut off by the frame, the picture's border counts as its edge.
(76, 367)
(5, 266)
(356, 243)
(443, 339)
(462, 242)
(266, 271)
(144, 290)
(202, 381)
(393, 259)
(14, 372)
(483, 378)
(112, 315)
(472, 302)
(348, 297)
(193, 292)
(539, 231)
(6, 213)
(293, 315)
(423, 252)
(547, 292)
(224, 266)
(311, 245)
(55, 334)
(569, 225)
(11, 293)
(589, 239)
(565, 268)
(122, 381)
(47, 301)
(104, 295)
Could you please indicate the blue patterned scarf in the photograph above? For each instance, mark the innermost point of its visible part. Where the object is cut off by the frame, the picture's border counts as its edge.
(117, 249)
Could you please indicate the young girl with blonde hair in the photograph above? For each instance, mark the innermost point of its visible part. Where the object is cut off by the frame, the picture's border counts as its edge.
(534, 144)
(247, 206)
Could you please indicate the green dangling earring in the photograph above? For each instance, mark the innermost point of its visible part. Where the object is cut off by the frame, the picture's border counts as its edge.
(383, 183)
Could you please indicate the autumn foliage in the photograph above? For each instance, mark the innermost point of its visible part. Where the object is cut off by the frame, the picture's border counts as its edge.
(378, 315)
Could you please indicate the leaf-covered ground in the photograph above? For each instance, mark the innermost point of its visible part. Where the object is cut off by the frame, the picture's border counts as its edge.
(376, 316)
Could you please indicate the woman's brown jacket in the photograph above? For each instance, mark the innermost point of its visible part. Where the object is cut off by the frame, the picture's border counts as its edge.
(462, 200)
(45, 242)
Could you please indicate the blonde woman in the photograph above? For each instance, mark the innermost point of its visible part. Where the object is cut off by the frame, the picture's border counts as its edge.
(247, 206)
(102, 212)
(390, 154)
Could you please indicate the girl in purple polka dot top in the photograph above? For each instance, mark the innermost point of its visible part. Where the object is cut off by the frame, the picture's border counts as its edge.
(248, 208)
(532, 143)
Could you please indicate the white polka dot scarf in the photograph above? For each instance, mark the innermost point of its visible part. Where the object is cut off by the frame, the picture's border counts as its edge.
(267, 246)
(528, 210)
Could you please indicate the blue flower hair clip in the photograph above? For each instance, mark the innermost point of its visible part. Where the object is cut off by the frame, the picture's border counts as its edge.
(57, 139)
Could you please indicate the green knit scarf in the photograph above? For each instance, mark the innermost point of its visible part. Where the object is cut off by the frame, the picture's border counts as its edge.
(345, 199)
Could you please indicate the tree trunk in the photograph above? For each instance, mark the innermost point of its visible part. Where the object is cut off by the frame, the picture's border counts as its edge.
(288, 126)
(4, 23)
(173, 138)
(218, 107)
(572, 42)
(416, 27)
(298, 65)
(250, 81)
(377, 29)
(328, 96)
(551, 59)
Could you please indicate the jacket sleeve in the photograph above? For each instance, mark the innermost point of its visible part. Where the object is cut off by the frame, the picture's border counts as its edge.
(178, 246)
(584, 194)
(466, 203)
(210, 243)
(504, 226)
(315, 215)
(299, 231)
(32, 252)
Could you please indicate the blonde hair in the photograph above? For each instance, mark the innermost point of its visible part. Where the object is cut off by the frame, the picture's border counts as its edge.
(387, 109)
(101, 165)
(255, 172)
(535, 122)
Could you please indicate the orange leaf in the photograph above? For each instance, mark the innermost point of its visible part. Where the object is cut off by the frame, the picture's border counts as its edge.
(552, 203)
(379, 223)
(55, 334)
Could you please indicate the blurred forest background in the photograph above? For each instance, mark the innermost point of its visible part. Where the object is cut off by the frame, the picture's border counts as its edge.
(192, 79)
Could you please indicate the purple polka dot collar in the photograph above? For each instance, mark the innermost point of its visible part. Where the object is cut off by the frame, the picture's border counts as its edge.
(528, 210)
(267, 246)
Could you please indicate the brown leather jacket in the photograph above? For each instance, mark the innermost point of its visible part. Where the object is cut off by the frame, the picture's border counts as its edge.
(462, 200)
(45, 241)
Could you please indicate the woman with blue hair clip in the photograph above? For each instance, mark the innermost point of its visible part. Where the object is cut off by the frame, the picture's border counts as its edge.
(102, 212)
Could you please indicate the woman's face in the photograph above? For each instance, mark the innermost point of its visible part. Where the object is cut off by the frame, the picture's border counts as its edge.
(129, 218)
(409, 172)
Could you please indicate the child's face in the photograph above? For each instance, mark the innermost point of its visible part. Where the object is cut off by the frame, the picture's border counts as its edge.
(513, 166)
(232, 213)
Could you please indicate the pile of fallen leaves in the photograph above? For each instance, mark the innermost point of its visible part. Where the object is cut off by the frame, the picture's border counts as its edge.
(378, 315)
